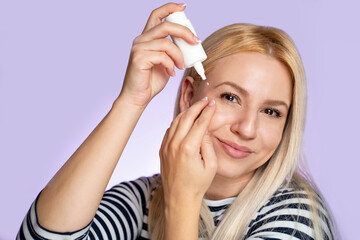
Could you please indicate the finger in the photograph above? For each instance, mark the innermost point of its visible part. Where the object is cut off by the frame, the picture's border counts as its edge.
(164, 45)
(208, 155)
(158, 14)
(164, 141)
(174, 125)
(185, 121)
(148, 59)
(197, 132)
(161, 151)
(165, 29)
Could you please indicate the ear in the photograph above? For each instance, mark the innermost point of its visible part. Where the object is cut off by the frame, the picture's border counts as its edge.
(187, 93)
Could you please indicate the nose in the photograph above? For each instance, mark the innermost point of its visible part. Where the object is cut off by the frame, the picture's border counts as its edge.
(245, 125)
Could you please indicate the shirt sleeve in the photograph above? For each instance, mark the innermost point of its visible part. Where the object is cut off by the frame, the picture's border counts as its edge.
(287, 216)
(119, 216)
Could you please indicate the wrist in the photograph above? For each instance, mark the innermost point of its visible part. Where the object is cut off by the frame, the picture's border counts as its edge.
(182, 206)
(137, 98)
(183, 201)
(122, 101)
(182, 220)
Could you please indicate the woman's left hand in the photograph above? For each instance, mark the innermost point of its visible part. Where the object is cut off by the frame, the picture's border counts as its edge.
(188, 160)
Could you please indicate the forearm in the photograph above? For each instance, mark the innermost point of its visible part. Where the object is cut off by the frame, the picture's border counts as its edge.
(71, 198)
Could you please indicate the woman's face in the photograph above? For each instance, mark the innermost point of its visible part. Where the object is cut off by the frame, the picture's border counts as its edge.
(253, 93)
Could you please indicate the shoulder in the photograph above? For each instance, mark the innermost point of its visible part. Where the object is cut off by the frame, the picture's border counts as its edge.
(291, 212)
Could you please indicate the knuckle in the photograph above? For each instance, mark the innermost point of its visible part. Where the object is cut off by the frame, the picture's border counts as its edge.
(186, 147)
(167, 42)
(136, 40)
(168, 62)
(134, 49)
(154, 12)
(163, 56)
(165, 24)
(186, 32)
(185, 29)
(135, 57)
(167, 27)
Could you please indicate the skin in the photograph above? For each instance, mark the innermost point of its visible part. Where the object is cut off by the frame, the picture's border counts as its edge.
(247, 119)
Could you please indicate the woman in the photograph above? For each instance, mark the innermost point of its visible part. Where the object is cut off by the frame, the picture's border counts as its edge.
(228, 160)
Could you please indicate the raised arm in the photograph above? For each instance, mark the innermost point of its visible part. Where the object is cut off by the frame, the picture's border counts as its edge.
(188, 166)
(70, 200)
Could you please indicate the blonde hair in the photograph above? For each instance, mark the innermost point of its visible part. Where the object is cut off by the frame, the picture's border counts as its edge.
(282, 168)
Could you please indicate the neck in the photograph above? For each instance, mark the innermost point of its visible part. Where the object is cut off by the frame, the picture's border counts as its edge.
(222, 187)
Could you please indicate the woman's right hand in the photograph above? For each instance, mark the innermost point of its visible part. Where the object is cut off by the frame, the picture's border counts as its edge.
(153, 57)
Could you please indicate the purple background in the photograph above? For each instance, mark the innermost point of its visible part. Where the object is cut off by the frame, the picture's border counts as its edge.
(62, 64)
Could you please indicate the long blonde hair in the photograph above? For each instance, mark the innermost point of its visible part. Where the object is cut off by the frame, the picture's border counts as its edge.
(282, 168)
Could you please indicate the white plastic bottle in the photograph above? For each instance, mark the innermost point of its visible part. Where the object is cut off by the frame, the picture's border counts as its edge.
(194, 55)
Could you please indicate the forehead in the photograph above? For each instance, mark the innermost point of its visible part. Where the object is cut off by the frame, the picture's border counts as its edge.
(261, 75)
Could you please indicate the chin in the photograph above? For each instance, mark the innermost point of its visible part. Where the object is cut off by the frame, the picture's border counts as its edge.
(227, 170)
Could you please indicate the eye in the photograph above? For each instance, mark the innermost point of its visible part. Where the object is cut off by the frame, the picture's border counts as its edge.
(230, 97)
(272, 112)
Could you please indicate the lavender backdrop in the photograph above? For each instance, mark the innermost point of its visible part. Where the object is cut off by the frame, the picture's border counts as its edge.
(62, 65)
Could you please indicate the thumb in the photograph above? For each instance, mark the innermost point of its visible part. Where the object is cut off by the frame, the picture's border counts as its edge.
(208, 154)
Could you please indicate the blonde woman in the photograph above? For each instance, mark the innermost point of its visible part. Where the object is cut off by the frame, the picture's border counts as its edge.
(228, 160)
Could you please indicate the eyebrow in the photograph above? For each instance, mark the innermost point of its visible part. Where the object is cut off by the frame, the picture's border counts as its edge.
(246, 94)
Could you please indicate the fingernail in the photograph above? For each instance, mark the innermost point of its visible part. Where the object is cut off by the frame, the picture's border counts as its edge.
(173, 73)
(196, 39)
(212, 103)
(182, 4)
(182, 66)
(204, 99)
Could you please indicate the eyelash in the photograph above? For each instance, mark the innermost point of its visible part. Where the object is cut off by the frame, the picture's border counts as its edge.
(235, 97)
(229, 94)
(278, 115)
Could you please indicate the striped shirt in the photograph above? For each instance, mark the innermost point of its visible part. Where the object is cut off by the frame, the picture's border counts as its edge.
(123, 214)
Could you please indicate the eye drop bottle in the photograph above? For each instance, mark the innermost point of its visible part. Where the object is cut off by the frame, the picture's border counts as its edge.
(194, 55)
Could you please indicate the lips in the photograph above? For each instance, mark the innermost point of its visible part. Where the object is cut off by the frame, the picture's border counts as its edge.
(235, 150)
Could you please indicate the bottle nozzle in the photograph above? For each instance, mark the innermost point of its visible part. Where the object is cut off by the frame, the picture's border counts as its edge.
(200, 69)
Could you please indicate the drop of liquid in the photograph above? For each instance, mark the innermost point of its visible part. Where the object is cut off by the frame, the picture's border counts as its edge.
(207, 83)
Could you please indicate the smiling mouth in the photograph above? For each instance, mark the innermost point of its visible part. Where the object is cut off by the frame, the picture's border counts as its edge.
(235, 151)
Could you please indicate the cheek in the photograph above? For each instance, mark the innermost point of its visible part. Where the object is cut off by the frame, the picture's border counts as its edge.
(220, 118)
(271, 136)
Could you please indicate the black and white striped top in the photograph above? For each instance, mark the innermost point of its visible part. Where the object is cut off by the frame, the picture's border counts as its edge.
(123, 214)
